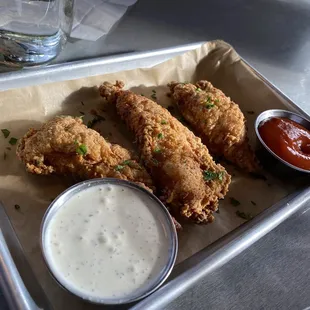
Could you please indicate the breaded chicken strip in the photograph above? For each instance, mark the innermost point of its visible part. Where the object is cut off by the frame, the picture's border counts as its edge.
(217, 120)
(64, 145)
(182, 169)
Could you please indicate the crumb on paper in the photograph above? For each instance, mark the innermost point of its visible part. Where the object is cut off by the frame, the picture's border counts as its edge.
(5, 132)
(243, 215)
(234, 201)
(17, 207)
(13, 141)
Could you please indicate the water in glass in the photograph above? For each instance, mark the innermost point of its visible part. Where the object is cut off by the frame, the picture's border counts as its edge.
(33, 32)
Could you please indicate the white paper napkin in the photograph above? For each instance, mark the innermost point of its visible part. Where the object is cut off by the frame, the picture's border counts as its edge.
(95, 18)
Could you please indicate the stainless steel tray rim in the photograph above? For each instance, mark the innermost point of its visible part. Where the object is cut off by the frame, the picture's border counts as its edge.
(224, 249)
(45, 74)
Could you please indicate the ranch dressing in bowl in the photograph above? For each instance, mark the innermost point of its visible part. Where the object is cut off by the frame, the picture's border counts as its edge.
(108, 241)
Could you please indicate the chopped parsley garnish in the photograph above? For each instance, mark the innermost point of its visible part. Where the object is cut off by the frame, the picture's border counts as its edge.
(250, 112)
(155, 161)
(157, 150)
(220, 175)
(119, 167)
(198, 89)
(210, 175)
(153, 96)
(210, 106)
(5, 155)
(37, 162)
(245, 216)
(163, 122)
(5, 132)
(160, 136)
(13, 141)
(17, 207)
(217, 100)
(209, 100)
(234, 201)
(253, 203)
(81, 149)
(91, 123)
(142, 95)
(126, 162)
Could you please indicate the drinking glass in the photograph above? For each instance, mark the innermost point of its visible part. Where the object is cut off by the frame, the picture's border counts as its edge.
(33, 32)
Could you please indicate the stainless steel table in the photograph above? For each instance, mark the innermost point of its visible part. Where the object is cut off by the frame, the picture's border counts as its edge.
(274, 36)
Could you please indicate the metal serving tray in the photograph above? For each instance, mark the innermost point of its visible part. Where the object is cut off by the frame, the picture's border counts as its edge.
(188, 272)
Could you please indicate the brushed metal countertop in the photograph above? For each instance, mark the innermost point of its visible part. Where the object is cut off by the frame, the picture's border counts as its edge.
(274, 37)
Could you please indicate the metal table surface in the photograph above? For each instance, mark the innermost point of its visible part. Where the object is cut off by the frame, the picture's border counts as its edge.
(274, 36)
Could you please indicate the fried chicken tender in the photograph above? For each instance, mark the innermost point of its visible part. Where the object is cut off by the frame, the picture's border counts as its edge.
(65, 146)
(183, 171)
(217, 120)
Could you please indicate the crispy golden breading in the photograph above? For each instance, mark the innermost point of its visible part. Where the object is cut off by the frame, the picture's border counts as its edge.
(182, 169)
(58, 147)
(217, 120)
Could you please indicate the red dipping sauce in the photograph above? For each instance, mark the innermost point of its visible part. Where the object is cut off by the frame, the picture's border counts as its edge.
(288, 140)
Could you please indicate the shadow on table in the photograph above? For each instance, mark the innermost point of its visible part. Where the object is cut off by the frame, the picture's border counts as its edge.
(271, 30)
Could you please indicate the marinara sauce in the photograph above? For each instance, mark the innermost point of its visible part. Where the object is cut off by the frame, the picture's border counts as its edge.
(288, 139)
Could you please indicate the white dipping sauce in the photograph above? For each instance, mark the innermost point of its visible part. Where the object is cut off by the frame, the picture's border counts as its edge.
(106, 242)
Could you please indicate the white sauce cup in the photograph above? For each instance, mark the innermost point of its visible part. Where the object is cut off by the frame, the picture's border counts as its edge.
(167, 224)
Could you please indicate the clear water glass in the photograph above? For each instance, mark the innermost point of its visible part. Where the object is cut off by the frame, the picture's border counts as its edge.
(33, 32)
